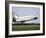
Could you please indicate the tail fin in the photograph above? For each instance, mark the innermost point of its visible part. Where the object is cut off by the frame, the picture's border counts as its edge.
(14, 15)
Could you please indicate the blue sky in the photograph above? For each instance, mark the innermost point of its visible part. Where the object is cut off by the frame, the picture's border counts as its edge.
(26, 11)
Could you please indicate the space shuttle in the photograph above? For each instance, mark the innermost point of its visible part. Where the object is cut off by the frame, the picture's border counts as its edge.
(22, 19)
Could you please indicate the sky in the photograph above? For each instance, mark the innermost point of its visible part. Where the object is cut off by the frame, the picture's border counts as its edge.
(26, 11)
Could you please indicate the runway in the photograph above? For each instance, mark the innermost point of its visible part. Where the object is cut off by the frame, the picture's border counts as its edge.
(25, 27)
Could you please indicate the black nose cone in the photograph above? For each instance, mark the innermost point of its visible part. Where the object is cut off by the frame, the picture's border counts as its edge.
(35, 17)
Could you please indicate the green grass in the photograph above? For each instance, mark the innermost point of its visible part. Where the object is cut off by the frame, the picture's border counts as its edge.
(22, 27)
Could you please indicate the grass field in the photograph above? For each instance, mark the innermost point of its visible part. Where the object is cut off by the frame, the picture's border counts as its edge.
(22, 27)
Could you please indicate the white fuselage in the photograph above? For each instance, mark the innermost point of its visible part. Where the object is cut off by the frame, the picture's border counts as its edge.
(24, 18)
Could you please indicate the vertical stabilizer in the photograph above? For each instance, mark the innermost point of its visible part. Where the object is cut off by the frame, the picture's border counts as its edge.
(14, 14)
